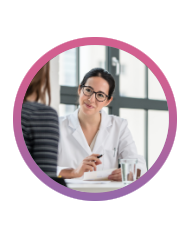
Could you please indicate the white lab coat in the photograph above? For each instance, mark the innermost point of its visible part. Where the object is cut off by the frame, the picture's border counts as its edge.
(114, 141)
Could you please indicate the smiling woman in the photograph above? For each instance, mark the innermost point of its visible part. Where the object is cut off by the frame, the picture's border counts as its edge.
(90, 132)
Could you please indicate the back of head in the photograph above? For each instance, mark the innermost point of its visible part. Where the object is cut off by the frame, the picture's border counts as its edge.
(40, 85)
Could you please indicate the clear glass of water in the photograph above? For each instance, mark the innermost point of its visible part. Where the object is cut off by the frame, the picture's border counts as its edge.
(128, 170)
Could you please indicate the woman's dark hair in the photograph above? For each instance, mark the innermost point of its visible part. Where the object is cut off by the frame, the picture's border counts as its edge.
(99, 72)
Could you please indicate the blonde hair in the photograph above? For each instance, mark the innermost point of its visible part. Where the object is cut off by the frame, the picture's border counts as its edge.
(40, 85)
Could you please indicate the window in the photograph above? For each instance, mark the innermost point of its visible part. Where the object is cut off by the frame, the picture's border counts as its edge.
(157, 133)
(65, 109)
(90, 57)
(136, 124)
(68, 68)
(132, 74)
(155, 90)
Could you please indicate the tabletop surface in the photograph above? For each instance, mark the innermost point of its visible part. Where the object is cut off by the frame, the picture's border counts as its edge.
(98, 185)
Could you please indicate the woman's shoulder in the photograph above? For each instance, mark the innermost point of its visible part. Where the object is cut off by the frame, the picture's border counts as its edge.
(37, 109)
(115, 119)
(117, 122)
(65, 119)
(70, 119)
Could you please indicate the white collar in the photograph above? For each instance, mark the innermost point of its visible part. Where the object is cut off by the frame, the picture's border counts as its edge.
(106, 120)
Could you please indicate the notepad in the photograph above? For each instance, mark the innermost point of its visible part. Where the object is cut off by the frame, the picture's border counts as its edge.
(95, 177)
(98, 175)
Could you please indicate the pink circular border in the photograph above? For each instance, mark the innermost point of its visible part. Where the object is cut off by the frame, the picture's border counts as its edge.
(171, 107)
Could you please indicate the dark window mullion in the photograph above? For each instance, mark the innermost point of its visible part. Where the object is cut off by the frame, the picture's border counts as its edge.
(139, 103)
(68, 90)
(146, 117)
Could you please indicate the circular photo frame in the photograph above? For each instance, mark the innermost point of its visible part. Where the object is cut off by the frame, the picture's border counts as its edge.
(171, 107)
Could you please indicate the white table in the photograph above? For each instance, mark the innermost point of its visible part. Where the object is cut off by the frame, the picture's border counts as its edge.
(96, 188)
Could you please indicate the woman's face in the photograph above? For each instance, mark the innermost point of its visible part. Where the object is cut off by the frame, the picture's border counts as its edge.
(89, 104)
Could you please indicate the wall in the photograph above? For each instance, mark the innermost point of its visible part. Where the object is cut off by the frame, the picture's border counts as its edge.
(54, 81)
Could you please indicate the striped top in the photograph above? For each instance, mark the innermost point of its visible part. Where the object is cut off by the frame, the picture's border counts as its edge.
(41, 134)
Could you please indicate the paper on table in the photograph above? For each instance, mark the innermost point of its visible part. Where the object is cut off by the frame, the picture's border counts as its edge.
(79, 181)
(98, 175)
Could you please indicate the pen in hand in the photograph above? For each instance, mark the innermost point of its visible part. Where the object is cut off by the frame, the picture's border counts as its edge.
(99, 156)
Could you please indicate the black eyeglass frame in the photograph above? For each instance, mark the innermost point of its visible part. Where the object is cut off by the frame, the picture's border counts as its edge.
(83, 86)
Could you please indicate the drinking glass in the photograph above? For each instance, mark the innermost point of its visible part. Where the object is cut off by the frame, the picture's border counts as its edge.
(128, 170)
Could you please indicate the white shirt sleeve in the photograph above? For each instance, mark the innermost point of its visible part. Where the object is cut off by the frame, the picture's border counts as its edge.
(127, 145)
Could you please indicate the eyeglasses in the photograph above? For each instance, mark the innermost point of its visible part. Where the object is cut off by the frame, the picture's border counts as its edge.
(88, 91)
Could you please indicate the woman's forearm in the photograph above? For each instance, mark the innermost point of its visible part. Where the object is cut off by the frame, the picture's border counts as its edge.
(68, 173)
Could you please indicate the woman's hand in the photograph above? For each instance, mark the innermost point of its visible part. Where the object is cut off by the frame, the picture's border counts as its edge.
(88, 164)
(115, 175)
